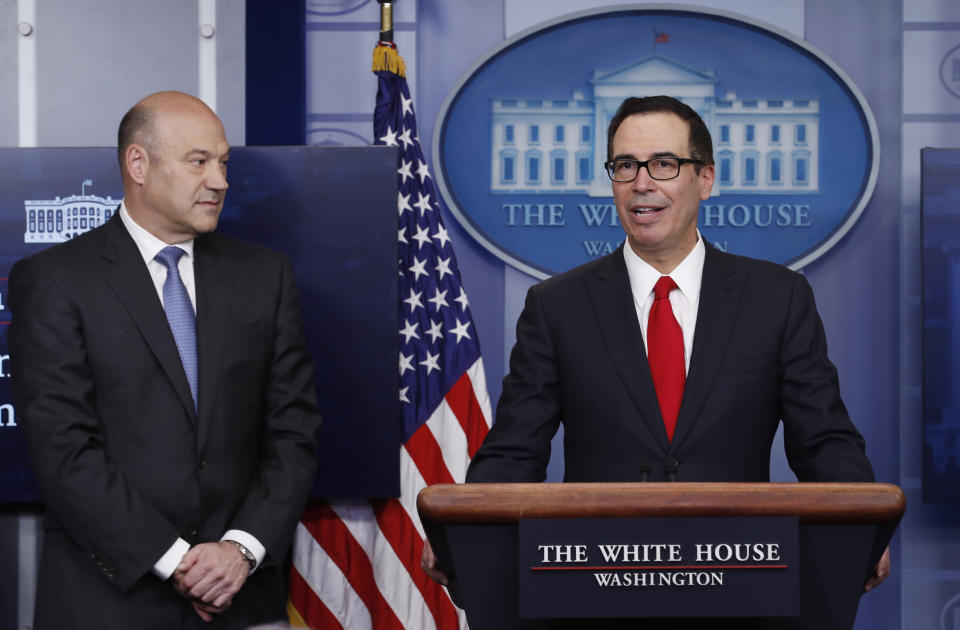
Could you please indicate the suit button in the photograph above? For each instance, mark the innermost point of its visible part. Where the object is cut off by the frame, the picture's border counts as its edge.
(202, 464)
(192, 533)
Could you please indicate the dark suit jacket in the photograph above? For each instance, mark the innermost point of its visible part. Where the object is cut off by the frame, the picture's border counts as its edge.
(759, 356)
(124, 462)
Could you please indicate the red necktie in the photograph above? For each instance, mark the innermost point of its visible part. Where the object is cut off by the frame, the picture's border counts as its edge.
(665, 353)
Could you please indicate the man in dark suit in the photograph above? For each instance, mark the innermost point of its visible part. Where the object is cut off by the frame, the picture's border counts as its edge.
(685, 383)
(167, 397)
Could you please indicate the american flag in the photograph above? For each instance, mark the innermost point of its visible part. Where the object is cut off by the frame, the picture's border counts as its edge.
(356, 564)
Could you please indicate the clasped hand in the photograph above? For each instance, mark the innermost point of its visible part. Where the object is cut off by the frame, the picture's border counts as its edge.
(210, 575)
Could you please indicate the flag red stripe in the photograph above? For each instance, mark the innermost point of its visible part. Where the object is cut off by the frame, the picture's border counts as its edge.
(463, 401)
(428, 456)
(398, 529)
(332, 534)
(309, 606)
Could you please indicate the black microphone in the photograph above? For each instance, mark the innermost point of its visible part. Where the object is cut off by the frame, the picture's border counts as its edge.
(644, 468)
(672, 466)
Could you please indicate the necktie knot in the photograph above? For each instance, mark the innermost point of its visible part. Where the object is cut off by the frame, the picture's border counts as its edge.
(663, 287)
(169, 256)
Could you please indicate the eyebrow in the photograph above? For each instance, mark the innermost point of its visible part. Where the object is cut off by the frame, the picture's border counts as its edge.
(658, 154)
(204, 153)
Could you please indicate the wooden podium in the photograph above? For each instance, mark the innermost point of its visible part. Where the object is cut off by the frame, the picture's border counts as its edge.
(843, 530)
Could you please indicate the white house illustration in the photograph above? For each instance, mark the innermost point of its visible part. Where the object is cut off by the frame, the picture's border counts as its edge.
(58, 220)
(763, 146)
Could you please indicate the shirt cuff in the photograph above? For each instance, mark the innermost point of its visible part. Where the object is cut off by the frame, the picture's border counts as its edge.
(248, 541)
(168, 562)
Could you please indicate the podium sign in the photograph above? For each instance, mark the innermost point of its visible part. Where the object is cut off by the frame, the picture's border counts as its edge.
(494, 540)
(659, 567)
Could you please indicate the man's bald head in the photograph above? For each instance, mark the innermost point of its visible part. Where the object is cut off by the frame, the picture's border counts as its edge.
(139, 124)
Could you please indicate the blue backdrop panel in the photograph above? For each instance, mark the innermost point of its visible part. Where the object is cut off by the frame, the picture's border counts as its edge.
(276, 61)
(940, 216)
(331, 210)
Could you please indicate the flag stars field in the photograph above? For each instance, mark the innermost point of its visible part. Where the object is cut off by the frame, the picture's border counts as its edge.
(410, 331)
(390, 138)
(405, 138)
(417, 268)
(462, 299)
(403, 203)
(406, 104)
(441, 236)
(460, 330)
(431, 362)
(423, 203)
(439, 300)
(414, 300)
(423, 171)
(436, 331)
(406, 363)
(404, 170)
(422, 236)
(443, 268)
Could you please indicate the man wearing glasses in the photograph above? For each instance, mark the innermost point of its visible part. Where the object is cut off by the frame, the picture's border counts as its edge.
(668, 359)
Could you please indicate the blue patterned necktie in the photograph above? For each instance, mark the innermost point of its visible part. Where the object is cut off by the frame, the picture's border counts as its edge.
(180, 315)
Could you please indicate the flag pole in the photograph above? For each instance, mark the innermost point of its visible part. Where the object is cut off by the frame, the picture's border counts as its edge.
(386, 21)
(385, 55)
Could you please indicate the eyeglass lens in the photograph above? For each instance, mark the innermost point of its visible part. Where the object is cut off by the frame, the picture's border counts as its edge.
(659, 168)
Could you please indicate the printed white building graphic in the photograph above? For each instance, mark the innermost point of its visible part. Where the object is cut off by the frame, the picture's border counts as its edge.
(58, 220)
(762, 146)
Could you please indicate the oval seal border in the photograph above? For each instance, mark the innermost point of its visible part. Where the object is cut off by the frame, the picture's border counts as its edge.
(840, 229)
(943, 68)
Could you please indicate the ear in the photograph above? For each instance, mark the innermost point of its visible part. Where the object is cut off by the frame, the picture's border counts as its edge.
(137, 162)
(705, 181)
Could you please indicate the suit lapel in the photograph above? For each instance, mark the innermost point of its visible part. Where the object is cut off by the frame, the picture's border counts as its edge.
(720, 293)
(128, 276)
(609, 289)
(215, 294)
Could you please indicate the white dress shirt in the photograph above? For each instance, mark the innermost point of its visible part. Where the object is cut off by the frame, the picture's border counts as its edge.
(688, 275)
(149, 246)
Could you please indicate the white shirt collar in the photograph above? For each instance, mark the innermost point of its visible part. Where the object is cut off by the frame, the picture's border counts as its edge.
(688, 274)
(148, 244)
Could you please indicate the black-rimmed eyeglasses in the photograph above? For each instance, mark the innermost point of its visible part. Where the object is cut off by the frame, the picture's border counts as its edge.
(660, 168)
